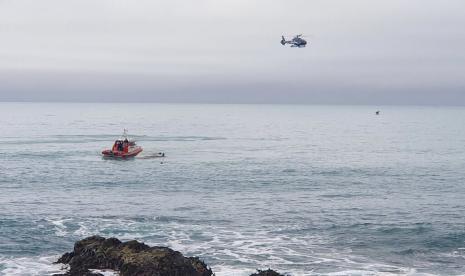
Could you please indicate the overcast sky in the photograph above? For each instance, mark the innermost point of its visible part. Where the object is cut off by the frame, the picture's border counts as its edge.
(228, 51)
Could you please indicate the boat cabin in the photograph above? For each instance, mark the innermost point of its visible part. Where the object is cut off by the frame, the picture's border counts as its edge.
(121, 146)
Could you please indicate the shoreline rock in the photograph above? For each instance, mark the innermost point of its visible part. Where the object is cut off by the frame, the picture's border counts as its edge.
(268, 272)
(129, 259)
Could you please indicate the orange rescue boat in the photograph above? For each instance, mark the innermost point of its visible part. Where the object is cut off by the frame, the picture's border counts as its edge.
(123, 148)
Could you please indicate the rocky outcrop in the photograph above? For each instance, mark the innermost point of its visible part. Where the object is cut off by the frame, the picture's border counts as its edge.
(130, 259)
(268, 272)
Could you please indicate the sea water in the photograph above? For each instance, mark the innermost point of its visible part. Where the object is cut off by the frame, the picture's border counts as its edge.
(302, 189)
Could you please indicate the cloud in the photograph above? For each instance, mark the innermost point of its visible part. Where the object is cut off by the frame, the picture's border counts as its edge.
(393, 47)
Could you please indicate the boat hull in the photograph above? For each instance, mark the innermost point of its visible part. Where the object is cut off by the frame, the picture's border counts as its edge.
(119, 154)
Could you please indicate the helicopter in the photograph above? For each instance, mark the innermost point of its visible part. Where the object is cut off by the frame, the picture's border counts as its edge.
(297, 41)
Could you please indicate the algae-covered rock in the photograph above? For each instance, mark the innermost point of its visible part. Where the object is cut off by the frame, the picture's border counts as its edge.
(268, 272)
(130, 259)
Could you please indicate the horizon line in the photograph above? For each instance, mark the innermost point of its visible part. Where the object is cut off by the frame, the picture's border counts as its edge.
(235, 103)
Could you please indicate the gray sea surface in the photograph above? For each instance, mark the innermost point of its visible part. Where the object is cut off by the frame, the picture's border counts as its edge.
(305, 190)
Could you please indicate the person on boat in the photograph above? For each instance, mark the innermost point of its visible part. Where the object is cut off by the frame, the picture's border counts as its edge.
(126, 145)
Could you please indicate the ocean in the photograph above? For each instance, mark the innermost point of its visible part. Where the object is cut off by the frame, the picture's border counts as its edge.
(301, 189)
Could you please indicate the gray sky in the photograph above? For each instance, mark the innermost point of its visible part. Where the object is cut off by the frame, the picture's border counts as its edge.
(360, 52)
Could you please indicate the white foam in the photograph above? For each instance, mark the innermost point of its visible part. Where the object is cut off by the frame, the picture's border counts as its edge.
(31, 266)
(60, 228)
(230, 271)
(38, 266)
(82, 231)
(105, 272)
(228, 252)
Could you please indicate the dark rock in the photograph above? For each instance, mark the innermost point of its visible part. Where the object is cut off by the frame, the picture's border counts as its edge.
(66, 258)
(268, 272)
(130, 259)
(79, 272)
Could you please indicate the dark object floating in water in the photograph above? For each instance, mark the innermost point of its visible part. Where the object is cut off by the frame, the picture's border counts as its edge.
(130, 259)
(134, 258)
(123, 148)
